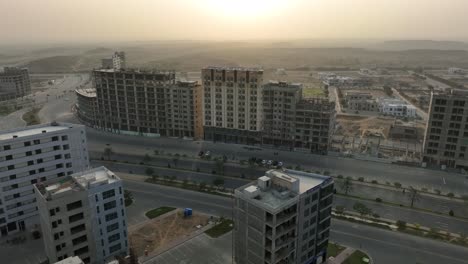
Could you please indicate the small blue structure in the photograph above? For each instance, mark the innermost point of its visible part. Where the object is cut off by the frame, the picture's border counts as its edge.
(187, 212)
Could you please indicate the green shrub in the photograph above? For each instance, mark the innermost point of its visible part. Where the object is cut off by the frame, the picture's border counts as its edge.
(379, 200)
(401, 225)
(361, 179)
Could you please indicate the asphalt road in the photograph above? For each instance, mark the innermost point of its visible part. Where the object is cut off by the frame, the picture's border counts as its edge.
(390, 247)
(385, 247)
(410, 176)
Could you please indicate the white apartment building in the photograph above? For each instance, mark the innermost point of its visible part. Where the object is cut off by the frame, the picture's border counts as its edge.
(233, 105)
(83, 215)
(35, 154)
(283, 217)
(396, 107)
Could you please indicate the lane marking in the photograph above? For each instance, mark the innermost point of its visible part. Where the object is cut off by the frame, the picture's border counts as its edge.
(444, 180)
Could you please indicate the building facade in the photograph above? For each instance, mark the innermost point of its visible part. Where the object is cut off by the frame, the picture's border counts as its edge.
(83, 215)
(145, 103)
(293, 121)
(396, 107)
(359, 101)
(86, 106)
(446, 136)
(35, 154)
(117, 62)
(283, 217)
(14, 83)
(233, 107)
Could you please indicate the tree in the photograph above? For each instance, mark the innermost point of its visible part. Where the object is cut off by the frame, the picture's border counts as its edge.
(149, 171)
(346, 185)
(147, 158)
(108, 152)
(175, 160)
(202, 185)
(413, 195)
(128, 197)
(218, 181)
(362, 209)
(220, 166)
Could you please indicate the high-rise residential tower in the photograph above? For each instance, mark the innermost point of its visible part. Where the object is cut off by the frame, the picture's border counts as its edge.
(233, 107)
(31, 155)
(294, 121)
(283, 217)
(83, 215)
(446, 137)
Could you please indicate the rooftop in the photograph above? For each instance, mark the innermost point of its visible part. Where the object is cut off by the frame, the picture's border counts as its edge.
(233, 68)
(88, 92)
(279, 188)
(70, 260)
(35, 130)
(95, 177)
(77, 182)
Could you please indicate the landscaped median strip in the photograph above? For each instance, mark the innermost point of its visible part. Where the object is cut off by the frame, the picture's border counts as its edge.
(158, 211)
(401, 226)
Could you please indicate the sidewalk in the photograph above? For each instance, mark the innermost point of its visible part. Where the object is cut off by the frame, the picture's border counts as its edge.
(342, 256)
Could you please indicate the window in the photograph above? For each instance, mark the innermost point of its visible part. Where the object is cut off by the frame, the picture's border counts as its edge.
(115, 248)
(112, 227)
(74, 205)
(81, 250)
(64, 138)
(109, 205)
(77, 229)
(75, 217)
(113, 238)
(79, 240)
(108, 194)
(111, 216)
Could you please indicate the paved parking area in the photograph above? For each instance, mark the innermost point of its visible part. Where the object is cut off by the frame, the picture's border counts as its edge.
(201, 249)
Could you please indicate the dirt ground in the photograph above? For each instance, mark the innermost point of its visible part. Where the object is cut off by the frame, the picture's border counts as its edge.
(367, 125)
(164, 229)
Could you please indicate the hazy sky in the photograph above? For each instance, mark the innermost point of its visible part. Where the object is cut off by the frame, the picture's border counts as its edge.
(142, 20)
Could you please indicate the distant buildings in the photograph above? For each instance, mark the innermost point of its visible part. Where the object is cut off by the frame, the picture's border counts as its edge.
(31, 155)
(83, 215)
(117, 62)
(454, 70)
(146, 103)
(14, 83)
(283, 217)
(360, 101)
(296, 122)
(233, 106)
(446, 137)
(396, 107)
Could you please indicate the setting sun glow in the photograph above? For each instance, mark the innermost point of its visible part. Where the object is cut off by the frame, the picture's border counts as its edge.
(241, 9)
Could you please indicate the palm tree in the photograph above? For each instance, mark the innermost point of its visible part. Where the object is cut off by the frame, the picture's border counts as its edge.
(346, 185)
(108, 152)
(413, 195)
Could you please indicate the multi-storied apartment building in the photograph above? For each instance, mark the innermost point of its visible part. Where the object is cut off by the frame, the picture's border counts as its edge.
(117, 62)
(296, 122)
(35, 154)
(446, 137)
(283, 217)
(14, 82)
(83, 215)
(145, 103)
(233, 107)
(86, 106)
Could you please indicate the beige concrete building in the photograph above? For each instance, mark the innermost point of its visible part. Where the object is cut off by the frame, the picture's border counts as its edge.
(283, 217)
(83, 215)
(147, 103)
(295, 122)
(233, 107)
(446, 137)
(14, 83)
(86, 106)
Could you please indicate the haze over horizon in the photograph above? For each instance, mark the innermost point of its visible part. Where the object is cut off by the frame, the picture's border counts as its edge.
(53, 21)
